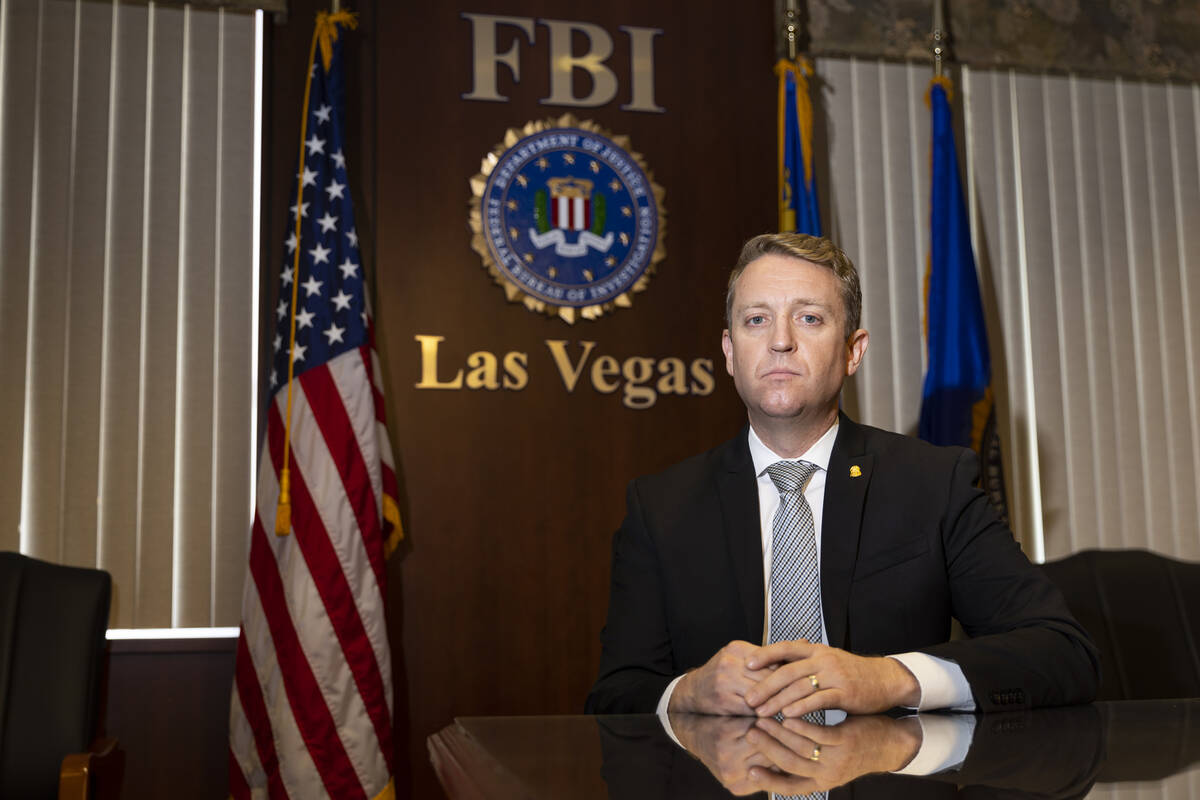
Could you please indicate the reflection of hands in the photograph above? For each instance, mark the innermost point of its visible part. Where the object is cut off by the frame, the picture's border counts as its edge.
(800, 677)
(796, 757)
(720, 686)
(720, 744)
(807, 758)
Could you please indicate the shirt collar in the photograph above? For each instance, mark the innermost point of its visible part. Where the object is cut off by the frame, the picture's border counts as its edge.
(819, 453)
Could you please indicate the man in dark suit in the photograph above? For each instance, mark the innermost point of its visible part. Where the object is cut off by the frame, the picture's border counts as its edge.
(904, 542)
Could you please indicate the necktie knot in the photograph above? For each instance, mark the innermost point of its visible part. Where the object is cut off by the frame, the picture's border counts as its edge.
(791, 476)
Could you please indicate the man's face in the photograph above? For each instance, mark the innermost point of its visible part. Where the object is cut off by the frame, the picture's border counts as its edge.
(785, 346)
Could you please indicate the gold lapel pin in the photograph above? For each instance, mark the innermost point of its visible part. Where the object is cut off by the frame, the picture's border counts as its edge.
(855, 472)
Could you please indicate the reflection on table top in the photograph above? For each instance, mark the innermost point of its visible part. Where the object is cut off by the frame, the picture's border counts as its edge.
(1097, 751)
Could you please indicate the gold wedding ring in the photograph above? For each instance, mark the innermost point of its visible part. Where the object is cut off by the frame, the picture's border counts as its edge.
(816, 753)
(816, 684)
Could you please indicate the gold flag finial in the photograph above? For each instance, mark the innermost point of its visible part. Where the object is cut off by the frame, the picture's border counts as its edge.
(327, 32)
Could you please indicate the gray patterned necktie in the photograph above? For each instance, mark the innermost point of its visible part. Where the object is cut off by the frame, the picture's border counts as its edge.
(795, 579)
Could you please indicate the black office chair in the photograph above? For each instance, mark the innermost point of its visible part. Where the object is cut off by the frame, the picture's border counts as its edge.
(52, 624)
(1143, 612)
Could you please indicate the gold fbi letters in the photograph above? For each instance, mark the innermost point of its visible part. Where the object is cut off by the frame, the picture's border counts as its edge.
(562, 60)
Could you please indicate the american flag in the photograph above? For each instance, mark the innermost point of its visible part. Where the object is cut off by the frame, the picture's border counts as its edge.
(311, 711)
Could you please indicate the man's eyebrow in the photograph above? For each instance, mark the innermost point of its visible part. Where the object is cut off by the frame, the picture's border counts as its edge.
(799, 301)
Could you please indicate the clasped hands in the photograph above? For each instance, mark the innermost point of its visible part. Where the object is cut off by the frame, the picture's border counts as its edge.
(795, 678)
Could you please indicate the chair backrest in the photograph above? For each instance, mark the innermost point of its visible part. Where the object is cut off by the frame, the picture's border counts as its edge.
(1143, 612)
(52, 624)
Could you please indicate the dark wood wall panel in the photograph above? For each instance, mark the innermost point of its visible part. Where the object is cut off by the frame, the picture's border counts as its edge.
(168, 708)
(510, 498)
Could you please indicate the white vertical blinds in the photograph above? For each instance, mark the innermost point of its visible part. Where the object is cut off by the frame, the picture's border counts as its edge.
(127, 299)
(1085, 202)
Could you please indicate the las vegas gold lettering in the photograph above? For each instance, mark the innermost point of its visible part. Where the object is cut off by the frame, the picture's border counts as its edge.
(570, 374)
(603, 371)
(484, 372)
(702, 376)
(563, 60)
(674, 376)
(641, 380)
(637, 371)
(516, 377)
(639, 388)
(429, 355)
(482, 365)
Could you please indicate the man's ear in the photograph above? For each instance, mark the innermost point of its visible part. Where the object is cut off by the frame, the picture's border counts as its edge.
(856, 348)
(727, 349)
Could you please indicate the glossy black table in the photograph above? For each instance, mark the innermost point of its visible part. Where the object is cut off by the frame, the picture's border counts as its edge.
(1143, 749)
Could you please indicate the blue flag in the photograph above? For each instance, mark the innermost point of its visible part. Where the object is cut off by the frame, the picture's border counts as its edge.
(798, 211)
(957, 399)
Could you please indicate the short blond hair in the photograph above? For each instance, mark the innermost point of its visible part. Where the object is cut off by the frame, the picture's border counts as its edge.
(813, 249)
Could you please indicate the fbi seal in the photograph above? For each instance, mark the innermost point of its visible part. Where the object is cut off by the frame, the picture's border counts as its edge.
(567, 218)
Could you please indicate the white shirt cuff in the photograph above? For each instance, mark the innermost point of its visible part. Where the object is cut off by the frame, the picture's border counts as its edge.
(942, 682)
(664, 702)
(945, 740)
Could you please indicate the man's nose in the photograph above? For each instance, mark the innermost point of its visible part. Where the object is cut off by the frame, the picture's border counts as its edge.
(783, 338)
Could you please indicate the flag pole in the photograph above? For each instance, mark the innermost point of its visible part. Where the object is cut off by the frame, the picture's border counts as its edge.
(940, 36)
(791, 28)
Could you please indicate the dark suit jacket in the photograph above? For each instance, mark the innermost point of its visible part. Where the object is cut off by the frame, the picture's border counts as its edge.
(905, 545)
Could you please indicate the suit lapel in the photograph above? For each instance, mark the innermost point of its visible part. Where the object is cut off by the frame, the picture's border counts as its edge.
(738, 493)
(845, 493)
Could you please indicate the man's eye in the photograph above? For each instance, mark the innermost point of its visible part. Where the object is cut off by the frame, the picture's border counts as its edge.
(757, 319)
(810, 319)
